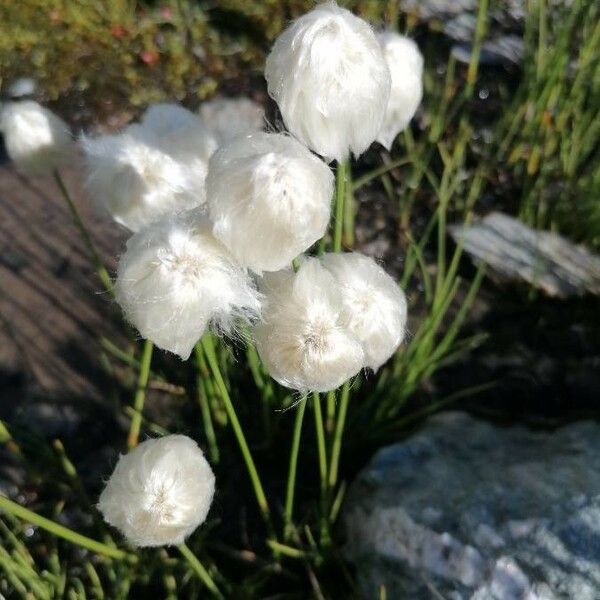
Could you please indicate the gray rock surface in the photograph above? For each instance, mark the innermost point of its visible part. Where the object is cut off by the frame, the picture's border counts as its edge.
(544, 259)
(465, 509)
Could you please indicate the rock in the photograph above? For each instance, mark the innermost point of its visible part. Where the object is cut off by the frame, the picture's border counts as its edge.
(502, 12)
(439, 9)
(49, 420)
(504, 50)
(12, 474)
(468, 510)
(21, 88)
(544, 259)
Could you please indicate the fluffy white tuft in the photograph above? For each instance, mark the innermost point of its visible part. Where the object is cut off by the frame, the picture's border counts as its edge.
(160, 492)
(134, 180)
(182, 134)
(269, 198)
(150, 170)
(328, 75)
(228, 118)
(176, 278)
(165, 119)
(374, 304)
(406, 67)
(302, 340)
(36, 140)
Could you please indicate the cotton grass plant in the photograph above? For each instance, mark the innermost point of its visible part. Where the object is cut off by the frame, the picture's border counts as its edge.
(236, 245)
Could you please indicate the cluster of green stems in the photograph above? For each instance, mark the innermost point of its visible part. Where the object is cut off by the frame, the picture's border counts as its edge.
(329, 431)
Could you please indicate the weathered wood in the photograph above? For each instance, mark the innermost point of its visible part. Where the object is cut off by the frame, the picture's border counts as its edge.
(544, 259)
(53, 309)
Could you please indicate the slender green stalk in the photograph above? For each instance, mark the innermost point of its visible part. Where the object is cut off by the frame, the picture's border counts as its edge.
(340, 197)
(349, 210)
(211, 357)
(480, 30)
(75, 480)
(286, 550)
(199, 569)
(209, 430)
(7, 439)
(264, 384)
(339, 432)
(322, 451)
(215, 403)
(337, 502)
(293, 468)
(542, 34)
(320, 431)
(330, 413)
(140, 394)
(375, 173)
(59, 530)
(87, 240)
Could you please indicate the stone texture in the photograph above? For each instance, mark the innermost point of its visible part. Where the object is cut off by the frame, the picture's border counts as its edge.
(468, 510)
(544, 259)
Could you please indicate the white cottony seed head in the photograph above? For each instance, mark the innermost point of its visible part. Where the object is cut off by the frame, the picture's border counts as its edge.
(159, 492)
(328, 75)
(150, 170)
(269, 198)
(36, 140)
(165, 119)
(181, 134)
(134, 180)
(374, 304)
(228, 118)
(406, 67)
(175, 279)
(302, 340)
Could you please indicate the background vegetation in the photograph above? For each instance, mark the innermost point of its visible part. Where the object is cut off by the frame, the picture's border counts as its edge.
(524, 139)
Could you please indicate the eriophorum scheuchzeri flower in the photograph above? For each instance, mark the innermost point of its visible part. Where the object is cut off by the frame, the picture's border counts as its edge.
(302, 339)
(406, 67)
(374, 305)
(228, 118)
(159, 492)
(175, 279)
(327, 73)
(182, 134)
(152, 169)
(36, 140)
(269, 198)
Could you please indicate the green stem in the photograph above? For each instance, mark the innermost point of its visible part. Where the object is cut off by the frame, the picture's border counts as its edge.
(291, 482)
(140, 394)
(480, 30)
(349, 209)
(75, 480)
(361, 181)
(330, 413)
(286, 550)
(542, 33)
(209, 430)
(199, 569)
(87, 240)
(339, 432)
(7, 439)
(320, 433)
(340, 196)
(211, 357)
(59, 530)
